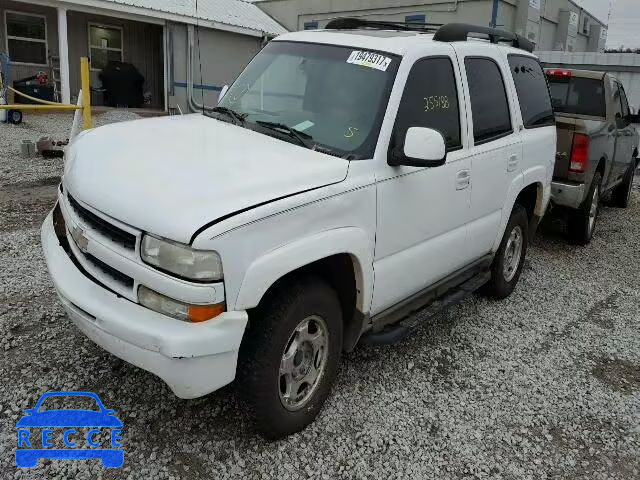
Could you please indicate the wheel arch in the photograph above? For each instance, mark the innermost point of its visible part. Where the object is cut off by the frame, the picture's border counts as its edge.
(342, 257)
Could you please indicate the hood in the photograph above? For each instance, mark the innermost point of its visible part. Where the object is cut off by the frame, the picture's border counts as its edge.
(172, 175)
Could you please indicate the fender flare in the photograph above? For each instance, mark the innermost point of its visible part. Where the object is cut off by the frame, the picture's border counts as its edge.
(264, 271)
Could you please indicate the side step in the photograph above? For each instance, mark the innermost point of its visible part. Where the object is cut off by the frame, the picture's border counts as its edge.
(404, 328)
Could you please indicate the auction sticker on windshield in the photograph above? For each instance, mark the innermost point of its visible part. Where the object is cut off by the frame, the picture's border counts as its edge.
(369, 59)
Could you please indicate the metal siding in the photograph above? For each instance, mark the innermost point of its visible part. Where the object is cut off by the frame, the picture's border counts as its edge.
(142, 46)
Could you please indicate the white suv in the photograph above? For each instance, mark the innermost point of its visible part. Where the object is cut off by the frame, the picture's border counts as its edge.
(349, 177)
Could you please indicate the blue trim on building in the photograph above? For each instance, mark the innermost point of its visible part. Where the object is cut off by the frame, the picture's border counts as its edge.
(415, 18)
(213, 88)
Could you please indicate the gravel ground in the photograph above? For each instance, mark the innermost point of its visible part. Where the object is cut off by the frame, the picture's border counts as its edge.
(545, 384)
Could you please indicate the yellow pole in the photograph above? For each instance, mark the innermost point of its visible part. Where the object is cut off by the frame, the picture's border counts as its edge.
(86, 93)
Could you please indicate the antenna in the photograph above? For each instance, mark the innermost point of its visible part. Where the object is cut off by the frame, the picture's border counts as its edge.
(199, 57)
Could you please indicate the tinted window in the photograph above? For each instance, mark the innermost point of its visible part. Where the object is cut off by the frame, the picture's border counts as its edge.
(489, 104)
(533, 91)
(625, 103)
(430, 100)
(578, 96)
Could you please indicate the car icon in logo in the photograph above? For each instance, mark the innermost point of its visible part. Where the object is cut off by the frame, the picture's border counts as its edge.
(40, 428)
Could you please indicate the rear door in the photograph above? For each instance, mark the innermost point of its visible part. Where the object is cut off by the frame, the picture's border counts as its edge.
(625, 135)
(496, 146)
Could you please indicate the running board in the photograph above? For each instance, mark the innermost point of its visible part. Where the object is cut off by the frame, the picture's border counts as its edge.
(401, 330)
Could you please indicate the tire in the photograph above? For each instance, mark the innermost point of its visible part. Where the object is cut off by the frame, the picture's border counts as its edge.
(582, 222)
(505, 272)
(622, 193)
(14, 117)
(275, 327)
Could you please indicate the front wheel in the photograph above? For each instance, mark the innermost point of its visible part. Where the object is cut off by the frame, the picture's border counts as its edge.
(622, 193)
(290, 356)
(509, 259)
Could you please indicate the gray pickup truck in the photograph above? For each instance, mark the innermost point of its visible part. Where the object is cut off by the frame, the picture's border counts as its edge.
(597, 146)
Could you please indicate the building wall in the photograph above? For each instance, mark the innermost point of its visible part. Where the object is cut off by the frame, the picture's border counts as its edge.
(22, 71)
(223, 55)
(142, 47)
(539, 20)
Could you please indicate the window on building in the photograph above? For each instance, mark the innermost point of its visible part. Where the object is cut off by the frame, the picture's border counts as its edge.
(489, 102)
(26, 37)
(105, 45)
(310, 25)
(430, 100)
(415, 18)
(533, 91)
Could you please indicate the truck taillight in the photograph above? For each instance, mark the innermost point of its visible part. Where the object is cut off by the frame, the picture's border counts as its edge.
(560, 73)
(579, 153)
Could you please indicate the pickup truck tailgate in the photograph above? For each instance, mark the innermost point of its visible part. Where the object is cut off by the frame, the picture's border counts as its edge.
(566, 127)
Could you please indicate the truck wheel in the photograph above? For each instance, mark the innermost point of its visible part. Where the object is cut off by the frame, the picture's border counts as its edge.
(622, 193)
(507, 264)
(582, 222)
(290, 355)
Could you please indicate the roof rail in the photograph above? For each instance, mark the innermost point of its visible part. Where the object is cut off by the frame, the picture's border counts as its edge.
(459, 32)
(349, 23)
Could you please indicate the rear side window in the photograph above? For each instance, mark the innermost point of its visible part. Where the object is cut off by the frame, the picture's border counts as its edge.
(533, 91)
(430, 100)
(489, 103)
(578, 96)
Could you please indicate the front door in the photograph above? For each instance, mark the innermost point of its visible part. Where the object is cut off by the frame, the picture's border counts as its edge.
(625, 136)
(421, 233)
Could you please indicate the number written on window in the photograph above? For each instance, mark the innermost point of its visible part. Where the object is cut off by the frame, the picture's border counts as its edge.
(436, 102)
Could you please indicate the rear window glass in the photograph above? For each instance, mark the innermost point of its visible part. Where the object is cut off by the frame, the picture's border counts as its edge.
(578, 96)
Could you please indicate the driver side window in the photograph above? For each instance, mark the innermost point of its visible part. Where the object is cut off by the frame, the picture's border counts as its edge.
(430, 100)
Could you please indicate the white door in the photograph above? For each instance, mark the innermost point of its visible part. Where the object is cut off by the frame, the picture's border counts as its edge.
(421, 233)
(496, 146)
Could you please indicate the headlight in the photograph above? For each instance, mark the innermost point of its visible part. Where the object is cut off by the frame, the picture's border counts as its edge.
(181, 260)
(173, 308)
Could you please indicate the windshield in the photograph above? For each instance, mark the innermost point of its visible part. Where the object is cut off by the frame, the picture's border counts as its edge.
(59, 402)
(334, 96)
(578, 96)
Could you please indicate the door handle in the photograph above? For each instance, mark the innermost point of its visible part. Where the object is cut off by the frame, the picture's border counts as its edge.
(463, 179)
(513, 163)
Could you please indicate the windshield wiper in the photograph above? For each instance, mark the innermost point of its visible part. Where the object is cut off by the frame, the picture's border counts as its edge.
(238, 118)
(301, 137)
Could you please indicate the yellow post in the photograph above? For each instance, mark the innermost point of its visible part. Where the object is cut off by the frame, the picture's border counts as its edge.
(86, 93)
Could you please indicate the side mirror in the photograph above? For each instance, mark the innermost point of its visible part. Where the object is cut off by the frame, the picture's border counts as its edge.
(423, 147)
(222, 92)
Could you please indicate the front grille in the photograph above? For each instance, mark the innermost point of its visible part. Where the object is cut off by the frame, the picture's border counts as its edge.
(110, 271)
(117, 235)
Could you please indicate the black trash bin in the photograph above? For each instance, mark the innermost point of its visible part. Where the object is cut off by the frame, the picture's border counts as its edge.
(122, 84)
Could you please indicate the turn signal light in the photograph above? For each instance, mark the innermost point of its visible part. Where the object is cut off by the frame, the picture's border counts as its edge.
(579, 153)
(202, 313)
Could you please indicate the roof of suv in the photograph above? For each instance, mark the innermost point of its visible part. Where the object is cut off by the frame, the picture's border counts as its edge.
(393, 41)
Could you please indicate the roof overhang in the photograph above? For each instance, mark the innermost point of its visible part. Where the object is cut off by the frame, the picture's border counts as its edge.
(139, 14)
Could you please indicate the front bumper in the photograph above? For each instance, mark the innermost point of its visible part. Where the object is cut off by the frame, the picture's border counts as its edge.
(568, 194)
(193, 359)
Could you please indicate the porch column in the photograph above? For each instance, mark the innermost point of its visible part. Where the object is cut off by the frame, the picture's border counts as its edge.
(63, 53)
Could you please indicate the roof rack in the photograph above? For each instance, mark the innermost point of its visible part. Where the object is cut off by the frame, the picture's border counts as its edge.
(451, 32)
(349, 23)
(459, 32)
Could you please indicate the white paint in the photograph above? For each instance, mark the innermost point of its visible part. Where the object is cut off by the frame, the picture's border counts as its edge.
(269, 207)
(424, 144)
(63, 53)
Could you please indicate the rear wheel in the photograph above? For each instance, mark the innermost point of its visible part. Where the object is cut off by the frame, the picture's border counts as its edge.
(582, 222)
(622, 193)
(509, 259)
(290, 356)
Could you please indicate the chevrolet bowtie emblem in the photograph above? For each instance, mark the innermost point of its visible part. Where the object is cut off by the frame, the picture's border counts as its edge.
(562, 154)
(81, 241)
